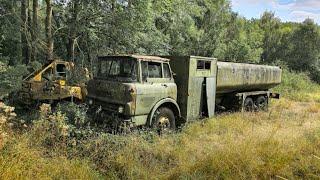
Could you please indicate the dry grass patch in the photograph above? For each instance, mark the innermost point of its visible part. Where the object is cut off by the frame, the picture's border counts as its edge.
(314, 108)
(20, 161)
(281, 143)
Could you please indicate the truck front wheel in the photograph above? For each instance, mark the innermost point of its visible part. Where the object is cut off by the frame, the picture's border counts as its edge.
(163, 120)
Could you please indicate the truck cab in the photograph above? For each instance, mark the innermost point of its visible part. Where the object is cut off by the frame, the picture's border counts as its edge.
(136, 89)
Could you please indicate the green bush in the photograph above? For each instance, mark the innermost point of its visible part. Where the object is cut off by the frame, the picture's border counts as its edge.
(11, 77)
(65, 127)
(76, 113)
(297, 86)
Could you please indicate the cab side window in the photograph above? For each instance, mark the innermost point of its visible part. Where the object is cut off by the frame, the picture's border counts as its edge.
(61, 70)
(203, 65)
(166, 70)
(154, 70)
(151, 70)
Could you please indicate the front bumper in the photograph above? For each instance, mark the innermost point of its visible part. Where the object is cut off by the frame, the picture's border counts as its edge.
(112, 107)
(109, 119)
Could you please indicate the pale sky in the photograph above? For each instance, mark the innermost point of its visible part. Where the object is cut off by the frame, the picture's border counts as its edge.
(286, 10)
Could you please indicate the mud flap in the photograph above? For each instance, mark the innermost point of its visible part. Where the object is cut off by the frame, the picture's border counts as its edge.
(211, 95)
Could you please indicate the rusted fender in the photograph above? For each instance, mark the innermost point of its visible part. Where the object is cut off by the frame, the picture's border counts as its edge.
(160, 103)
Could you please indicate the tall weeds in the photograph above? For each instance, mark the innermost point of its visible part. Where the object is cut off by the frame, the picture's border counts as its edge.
(283, 143)
(298, 87)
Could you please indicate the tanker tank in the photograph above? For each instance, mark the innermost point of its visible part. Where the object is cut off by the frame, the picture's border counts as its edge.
(240, 77)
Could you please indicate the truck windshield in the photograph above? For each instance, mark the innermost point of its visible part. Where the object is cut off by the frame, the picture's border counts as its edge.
(118, 69)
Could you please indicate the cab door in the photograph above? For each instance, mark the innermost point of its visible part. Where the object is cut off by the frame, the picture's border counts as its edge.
(155, 85)
(171, 87)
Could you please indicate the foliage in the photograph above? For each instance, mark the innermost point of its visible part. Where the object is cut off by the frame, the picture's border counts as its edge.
(243, 42)
(250, 145)
(10, 31)
(84, 29)
(305, 55)
(79, 75)
(298, 86)
(6, 116)
(225, 147)
(11, 77)
(75, 113)
(51, 129)
(271, 27)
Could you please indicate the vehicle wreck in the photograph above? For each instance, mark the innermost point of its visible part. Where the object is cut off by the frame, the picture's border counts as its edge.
(166, 92)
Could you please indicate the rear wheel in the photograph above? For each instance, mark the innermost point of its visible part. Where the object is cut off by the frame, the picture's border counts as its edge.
(261, 103)
(163, 120)
(248, 104)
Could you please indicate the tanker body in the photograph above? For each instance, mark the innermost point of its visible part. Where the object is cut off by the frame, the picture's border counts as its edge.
(247, 85)
(238, 77)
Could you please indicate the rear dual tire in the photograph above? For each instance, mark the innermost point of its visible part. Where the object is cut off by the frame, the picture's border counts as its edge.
(248, 104)
(258, 104)
(261, 103)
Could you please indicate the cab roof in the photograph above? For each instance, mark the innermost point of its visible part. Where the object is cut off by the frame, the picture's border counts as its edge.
(141, 57)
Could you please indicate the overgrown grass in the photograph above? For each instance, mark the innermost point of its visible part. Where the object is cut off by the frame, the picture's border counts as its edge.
(298, 87)
(19, 160)
(281, 143)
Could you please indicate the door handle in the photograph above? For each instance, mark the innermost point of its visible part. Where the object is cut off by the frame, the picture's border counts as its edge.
(164, 85)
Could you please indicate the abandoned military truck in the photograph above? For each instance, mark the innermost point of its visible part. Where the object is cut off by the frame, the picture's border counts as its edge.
(165, 92)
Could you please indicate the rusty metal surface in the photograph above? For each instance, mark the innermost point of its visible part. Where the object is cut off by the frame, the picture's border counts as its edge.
(37, 87)
(138, 97)
(110, 95)
(138, 57)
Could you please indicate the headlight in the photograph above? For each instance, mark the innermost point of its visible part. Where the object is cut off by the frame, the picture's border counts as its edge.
(121, 109)
(90, 101)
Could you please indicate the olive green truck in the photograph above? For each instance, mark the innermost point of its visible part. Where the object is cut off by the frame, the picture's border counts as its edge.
(166, 92)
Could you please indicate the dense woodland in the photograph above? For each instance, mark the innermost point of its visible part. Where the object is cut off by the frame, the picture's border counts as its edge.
(78, 30)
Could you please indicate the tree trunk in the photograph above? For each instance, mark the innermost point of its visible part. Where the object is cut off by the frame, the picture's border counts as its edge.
(24, 31)
(29, 32)
(72, 35)
(35, 30)
(49, 31)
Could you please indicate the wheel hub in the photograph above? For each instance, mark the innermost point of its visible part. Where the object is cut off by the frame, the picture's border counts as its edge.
(164, 122)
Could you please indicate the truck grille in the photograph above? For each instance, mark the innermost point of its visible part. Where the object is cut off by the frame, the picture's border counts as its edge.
(107, 106)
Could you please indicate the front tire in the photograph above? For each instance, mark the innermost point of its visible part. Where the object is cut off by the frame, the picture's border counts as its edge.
(163, 120)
